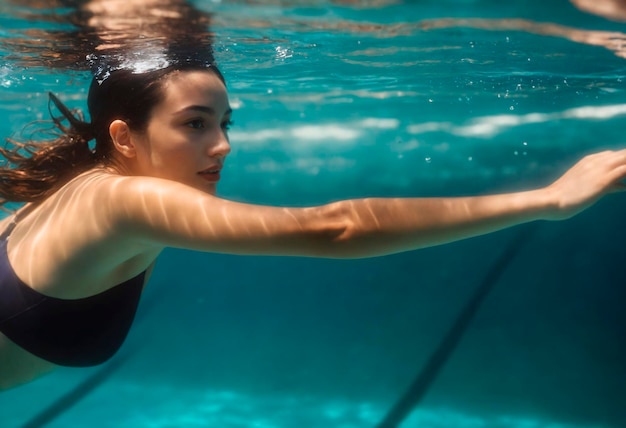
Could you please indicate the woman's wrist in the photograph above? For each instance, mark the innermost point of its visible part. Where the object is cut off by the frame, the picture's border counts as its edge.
(546, 203)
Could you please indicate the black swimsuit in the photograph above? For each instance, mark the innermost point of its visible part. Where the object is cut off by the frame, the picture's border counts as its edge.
(78, 333)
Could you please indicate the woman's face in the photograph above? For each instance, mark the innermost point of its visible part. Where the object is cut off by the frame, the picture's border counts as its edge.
(187, 137)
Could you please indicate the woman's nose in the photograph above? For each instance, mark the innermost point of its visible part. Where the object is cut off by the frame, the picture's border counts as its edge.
(221, 146)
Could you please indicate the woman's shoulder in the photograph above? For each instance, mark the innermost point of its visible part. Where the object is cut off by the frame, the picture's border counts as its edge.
(106, 190)
(88, 219)
(95, 203)
(116, 184)
(125, 204)
(74, 237)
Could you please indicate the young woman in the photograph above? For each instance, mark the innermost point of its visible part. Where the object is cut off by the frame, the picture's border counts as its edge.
(74, 259)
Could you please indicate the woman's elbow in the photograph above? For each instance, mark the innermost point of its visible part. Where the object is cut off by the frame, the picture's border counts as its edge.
(334, 231)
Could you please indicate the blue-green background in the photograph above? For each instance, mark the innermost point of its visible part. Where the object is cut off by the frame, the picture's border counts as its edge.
(330, 102)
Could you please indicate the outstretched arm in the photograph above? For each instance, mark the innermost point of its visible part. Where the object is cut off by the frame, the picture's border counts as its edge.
(162, 214)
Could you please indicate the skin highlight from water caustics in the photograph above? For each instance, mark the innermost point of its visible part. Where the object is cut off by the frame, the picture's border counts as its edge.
(160, 117)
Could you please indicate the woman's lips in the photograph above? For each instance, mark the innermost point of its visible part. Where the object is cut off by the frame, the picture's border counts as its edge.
(211, 174)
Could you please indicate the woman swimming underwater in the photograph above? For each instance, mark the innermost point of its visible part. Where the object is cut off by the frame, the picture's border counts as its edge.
(74, 259)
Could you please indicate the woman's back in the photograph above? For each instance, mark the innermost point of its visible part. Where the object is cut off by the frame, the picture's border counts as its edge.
(68, 297)
(68, 247)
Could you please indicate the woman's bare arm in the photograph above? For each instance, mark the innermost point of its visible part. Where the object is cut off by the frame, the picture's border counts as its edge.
(165, 214)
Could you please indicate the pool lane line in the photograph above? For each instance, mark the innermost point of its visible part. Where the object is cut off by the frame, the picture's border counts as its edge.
(78, 393)
(422, 382)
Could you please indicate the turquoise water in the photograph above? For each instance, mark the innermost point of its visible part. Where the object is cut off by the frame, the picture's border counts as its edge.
(410, 98)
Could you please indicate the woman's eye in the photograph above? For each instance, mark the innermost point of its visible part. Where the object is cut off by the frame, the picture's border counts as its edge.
(195, 124)
(227, 124)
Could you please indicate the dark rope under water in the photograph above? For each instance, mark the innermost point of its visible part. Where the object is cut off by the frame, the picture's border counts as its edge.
(401, 409)
(69, 400)
(420, 386)
(78, 393)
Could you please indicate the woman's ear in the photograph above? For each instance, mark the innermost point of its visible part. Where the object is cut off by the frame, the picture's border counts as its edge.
(122, 138)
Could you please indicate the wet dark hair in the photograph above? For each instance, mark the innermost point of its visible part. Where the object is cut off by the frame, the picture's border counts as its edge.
(36, 169)
(129, 96)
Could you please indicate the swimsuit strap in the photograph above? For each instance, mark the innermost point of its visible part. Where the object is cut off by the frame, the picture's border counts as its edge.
(8, 230)
(17, 217)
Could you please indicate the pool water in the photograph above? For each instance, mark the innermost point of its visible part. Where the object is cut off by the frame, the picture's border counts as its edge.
(352, 99)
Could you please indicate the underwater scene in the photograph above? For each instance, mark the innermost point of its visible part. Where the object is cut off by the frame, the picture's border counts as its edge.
(334, 99)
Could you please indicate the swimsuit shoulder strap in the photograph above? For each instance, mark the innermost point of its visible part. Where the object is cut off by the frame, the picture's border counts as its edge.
(17, 217)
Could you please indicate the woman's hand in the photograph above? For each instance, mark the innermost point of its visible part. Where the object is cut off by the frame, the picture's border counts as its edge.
(586, 182)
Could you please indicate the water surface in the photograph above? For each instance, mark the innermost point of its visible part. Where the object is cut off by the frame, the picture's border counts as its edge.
(342, 99)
